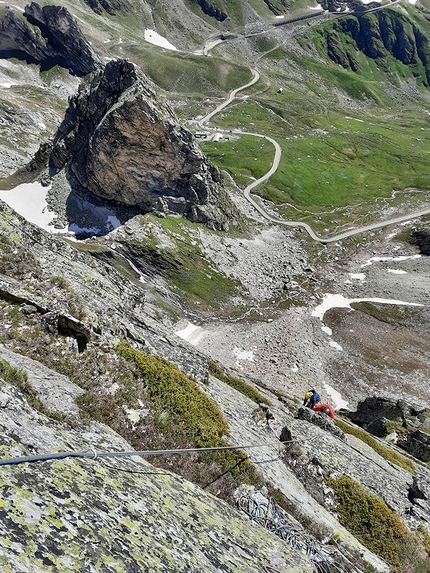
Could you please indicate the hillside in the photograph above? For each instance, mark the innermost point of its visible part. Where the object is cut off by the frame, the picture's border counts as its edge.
(179, 265)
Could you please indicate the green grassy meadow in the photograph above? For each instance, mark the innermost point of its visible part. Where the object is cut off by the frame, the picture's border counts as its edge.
(331, 159)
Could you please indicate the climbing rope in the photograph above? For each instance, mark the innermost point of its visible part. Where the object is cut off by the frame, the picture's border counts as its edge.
(261, 509)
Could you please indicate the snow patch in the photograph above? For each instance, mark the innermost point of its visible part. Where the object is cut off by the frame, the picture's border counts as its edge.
(395, 259)
(7, 84)
(336, 397)
(358, 276)
(327, 330)
(334, 344)
(397, 271)
(153, 38)
(339, 301)
(191, 333)
(29, 201)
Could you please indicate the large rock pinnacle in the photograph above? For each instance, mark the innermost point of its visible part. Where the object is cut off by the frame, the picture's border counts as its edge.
(124, 145)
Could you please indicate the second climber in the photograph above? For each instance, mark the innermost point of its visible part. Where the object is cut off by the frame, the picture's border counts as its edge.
(311, 399)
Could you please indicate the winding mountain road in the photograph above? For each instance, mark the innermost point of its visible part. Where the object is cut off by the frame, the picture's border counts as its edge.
(274, 167)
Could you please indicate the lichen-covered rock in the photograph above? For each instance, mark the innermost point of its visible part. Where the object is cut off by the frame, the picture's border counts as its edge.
(125, 515)
(124, 145)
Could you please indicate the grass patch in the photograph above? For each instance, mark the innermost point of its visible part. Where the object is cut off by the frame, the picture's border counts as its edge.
(179, 259)
(178, 416)
(19, 378)
(174, 393)
(188, 74)
(246, 159)
(181, 406)
(237, 384)
(347, 166)
(384, 452)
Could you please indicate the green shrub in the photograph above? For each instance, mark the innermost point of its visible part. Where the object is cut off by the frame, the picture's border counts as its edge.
(14, 376)
(237, 384)
(181, 408)
(173, 392)
(386, 453)
(369, 519)
(425, 537)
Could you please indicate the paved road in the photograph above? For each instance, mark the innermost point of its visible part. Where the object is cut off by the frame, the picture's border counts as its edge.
(274, 167)
(255, 78)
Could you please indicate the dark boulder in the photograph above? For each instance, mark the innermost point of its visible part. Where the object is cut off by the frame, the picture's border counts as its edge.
(417, 443)
(48, 36)
(373, 408)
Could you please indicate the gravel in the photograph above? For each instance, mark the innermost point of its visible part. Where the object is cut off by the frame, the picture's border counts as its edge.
(288, 349)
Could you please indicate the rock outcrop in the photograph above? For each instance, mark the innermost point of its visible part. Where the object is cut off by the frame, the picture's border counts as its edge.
(112, 7)
(375, 408)
(48, 36)
(125, 146)
(211, 10)
(417, 443)
(410, 424)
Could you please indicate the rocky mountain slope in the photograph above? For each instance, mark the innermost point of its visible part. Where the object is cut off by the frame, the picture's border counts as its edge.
(159, 333)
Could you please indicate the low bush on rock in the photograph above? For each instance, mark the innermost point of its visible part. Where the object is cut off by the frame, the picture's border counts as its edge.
(18, 378)
(172, 413)
(237, 384)
(370, 520)
(386, 453)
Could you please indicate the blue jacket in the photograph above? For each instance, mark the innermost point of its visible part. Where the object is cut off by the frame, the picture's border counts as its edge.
(312, 401)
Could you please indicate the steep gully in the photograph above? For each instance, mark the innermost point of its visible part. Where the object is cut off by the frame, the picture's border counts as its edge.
(247, 191)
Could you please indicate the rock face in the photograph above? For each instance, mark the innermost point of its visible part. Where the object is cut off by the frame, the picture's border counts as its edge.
(54, 514)
(374, 408)
(112, 7)
(417, 443)
(210, 10)
(377, 415)
(124, 146)
(48, 36)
